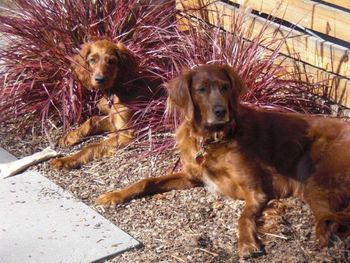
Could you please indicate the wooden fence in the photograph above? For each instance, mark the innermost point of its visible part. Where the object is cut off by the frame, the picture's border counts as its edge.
(319, 42)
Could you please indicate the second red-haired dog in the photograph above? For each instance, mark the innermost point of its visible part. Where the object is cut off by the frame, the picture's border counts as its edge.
(254, 155)
(108, 67)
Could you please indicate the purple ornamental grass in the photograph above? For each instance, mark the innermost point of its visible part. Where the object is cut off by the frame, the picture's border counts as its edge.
(42, 36)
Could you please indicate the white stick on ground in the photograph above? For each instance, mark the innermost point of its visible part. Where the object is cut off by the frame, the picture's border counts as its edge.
(12, 168)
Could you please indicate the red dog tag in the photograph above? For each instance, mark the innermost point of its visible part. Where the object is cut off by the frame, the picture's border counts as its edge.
(199, 157)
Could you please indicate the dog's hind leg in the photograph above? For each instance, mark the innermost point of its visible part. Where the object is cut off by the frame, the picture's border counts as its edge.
(272, 217)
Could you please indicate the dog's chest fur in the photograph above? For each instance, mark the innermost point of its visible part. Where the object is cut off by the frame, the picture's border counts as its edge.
(223, 170)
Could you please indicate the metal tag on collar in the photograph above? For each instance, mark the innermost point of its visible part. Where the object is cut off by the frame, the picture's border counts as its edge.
(200, 155)
(200, 158)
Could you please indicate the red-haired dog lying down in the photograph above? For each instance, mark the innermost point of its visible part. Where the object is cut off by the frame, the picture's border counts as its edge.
(105, 66)
(254, 155)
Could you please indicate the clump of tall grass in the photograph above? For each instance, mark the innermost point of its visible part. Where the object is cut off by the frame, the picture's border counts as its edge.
(41, 36)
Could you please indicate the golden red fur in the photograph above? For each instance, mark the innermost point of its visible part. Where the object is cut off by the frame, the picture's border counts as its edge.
(254, 155)
(105, 66)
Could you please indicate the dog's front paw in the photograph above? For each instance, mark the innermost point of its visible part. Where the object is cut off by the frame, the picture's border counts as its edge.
(63, 163)
(110, 198)
(250, 249)
(69, 139)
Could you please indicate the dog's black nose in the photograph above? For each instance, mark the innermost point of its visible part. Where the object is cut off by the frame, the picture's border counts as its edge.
(219, 111)
(99, 79)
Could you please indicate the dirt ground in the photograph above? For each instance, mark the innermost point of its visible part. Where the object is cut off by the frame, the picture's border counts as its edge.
(180, 226)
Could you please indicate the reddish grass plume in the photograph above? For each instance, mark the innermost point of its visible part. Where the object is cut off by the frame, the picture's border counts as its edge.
(41, 37)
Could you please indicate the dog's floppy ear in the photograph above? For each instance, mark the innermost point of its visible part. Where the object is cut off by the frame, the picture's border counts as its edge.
(126, 63)
(237, 85)
(237, 82)
(81, 67)
(179, 96)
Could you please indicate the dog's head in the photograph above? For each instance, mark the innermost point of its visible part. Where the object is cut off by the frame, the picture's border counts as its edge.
(206, 96)
(102, 63)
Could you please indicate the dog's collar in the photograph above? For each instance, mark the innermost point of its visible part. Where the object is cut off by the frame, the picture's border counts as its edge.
(201, 153)
(202, 149)
(204, 144)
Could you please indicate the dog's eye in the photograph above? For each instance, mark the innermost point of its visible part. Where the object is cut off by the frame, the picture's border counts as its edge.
(201, 90)
(111, 61)
(224, 88)
(92, 61)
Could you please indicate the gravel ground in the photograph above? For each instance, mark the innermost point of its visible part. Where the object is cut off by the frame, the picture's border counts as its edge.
(179, 226)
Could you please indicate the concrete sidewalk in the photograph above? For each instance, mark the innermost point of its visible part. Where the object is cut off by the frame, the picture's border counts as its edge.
(40, 222)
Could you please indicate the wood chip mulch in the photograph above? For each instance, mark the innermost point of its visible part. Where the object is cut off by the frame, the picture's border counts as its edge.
(180, 226)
